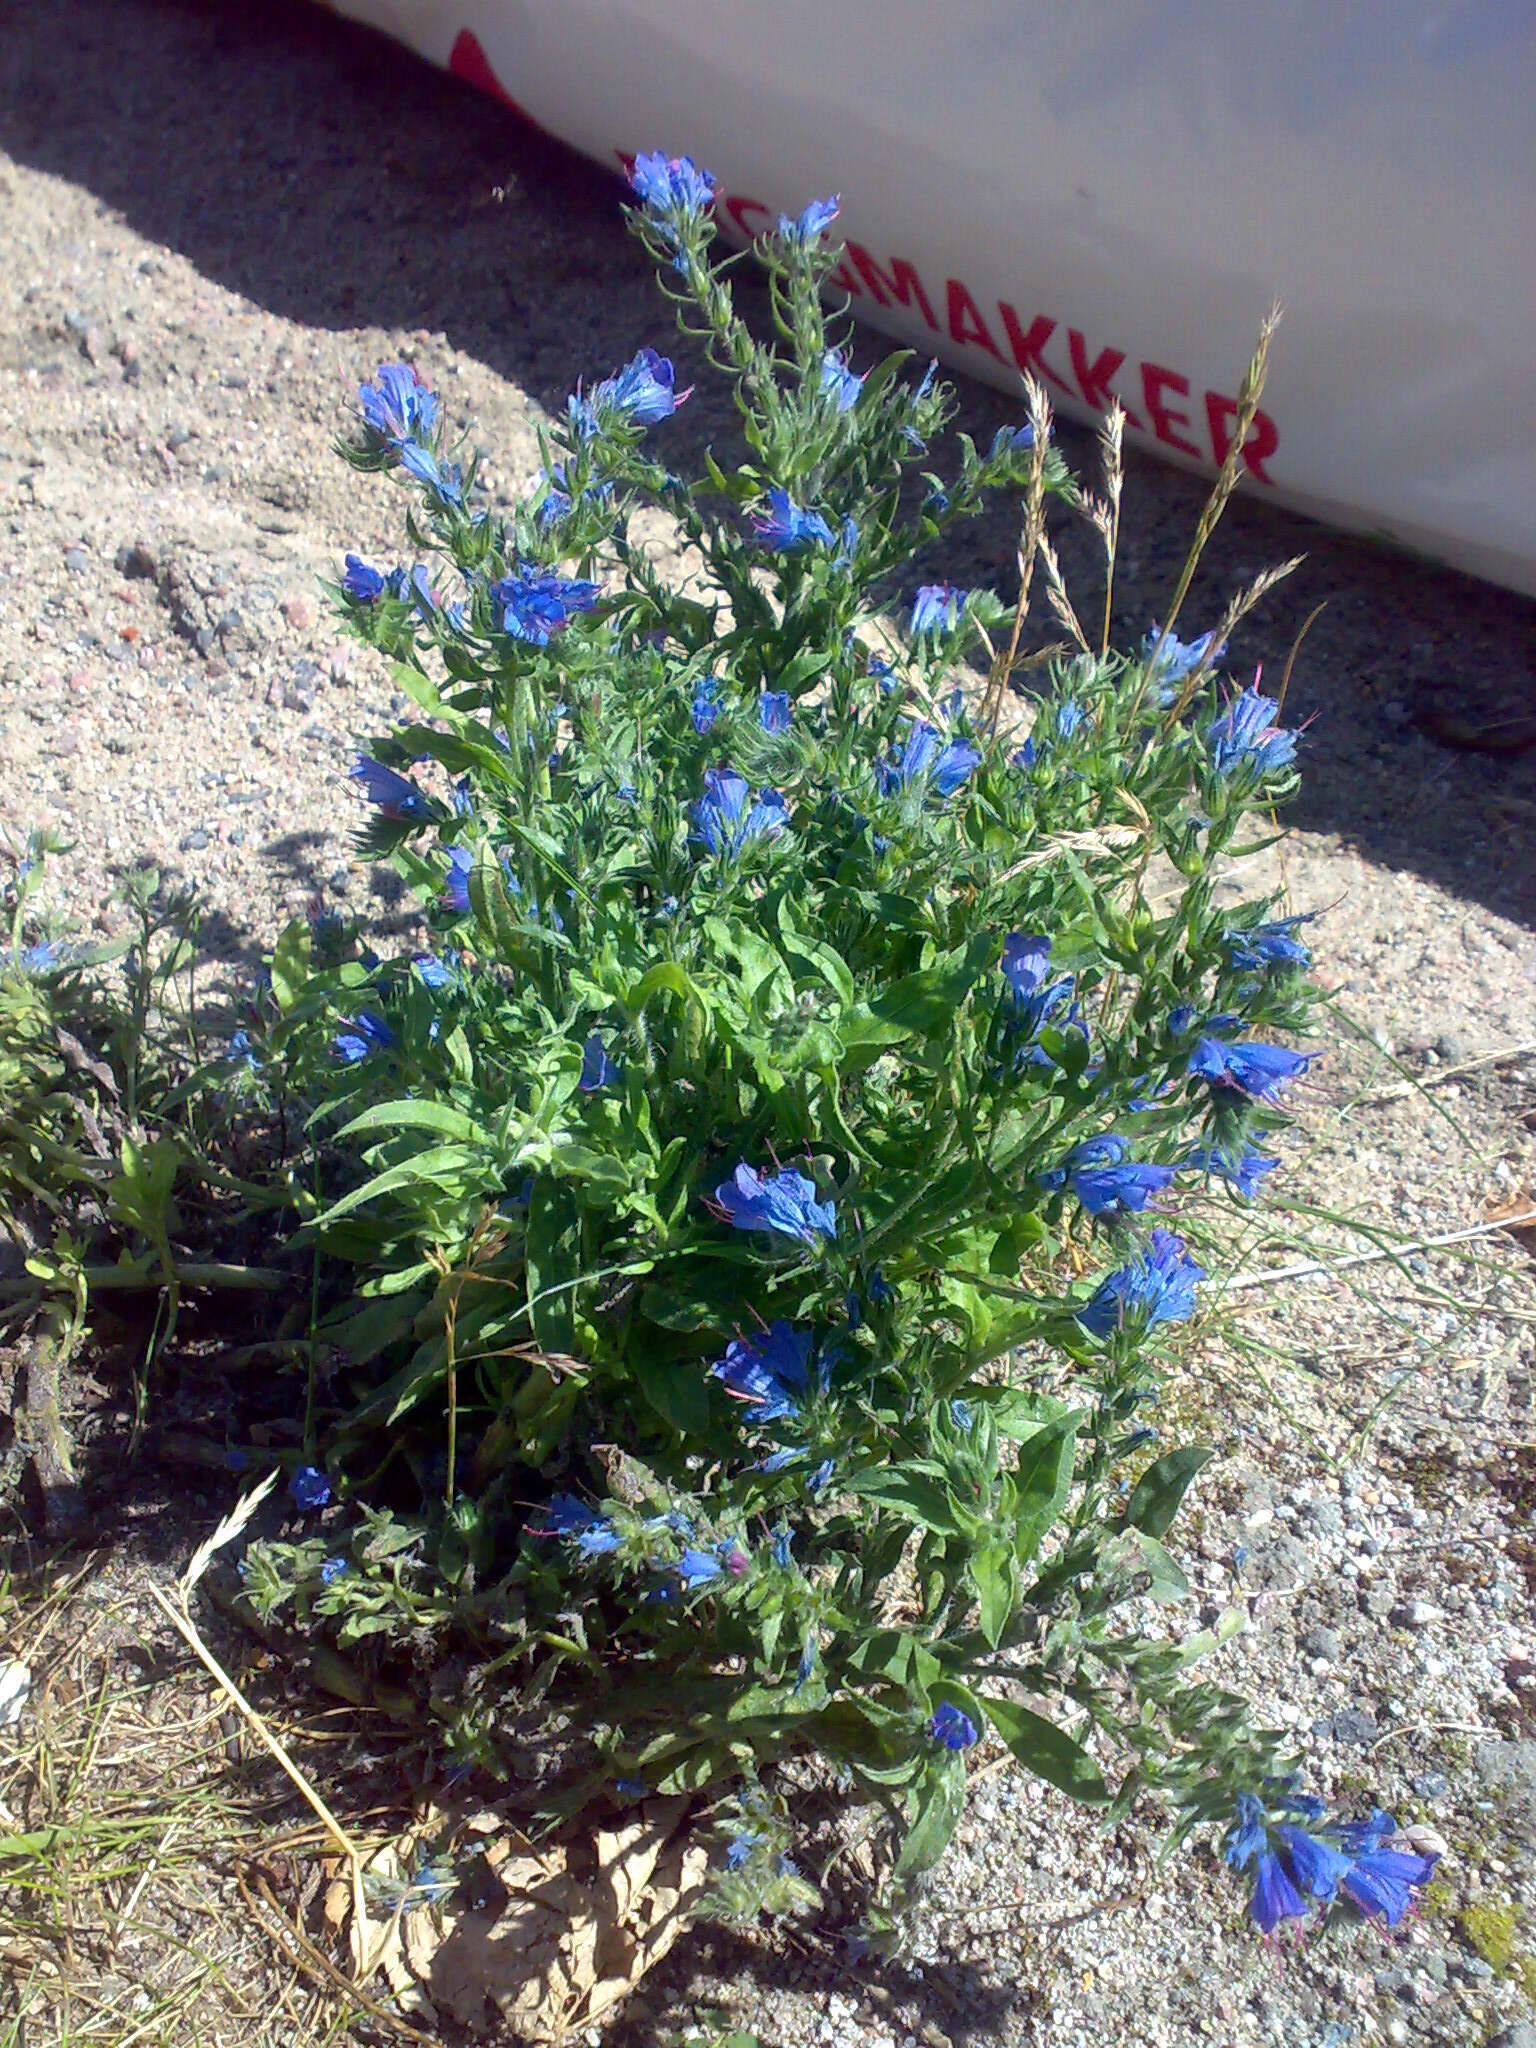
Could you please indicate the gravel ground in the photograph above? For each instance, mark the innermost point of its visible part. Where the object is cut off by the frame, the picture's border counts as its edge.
(215, 222)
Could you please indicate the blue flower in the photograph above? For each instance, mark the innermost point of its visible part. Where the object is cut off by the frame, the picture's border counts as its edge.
(1033, 1001)
(962, 1415)
(706, 705)
(784, 1205)
(773, 711)
(444, 480)
(1012, 441)
(582, 416)
(722, 821)
(569, 1516)
(1179, 658)
(597, 1070)
(333, 1569)
(672, 186)
(241, 1052)
(805, 1670)
(1158, 1287)
(361, 583)
(1316, 1865)
(456, 882)
(1069, 717)
(310, 1489)
(1105, 1182)
(536, 604)
(952, 1729)
(812, 224)
(642, 391)
(395, 795)
(1347, 1856)
(1180, 1018)
(782, 1542)
(1260, 1072)
(1243, 1170)
(771, 1374)
(368, 1034)
(840, 381)
(741, 1849)
(1245, 736)
(630, 1788)
(821, 1478)
(396, 407)
(36, 959)
(788, 527)
(922, 759)
(1267, 945)
(1023, 758)
(935, 609)
(436, 974)
(697, 1568)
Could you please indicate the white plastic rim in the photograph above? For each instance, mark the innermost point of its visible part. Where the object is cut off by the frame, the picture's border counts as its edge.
(1112, 194)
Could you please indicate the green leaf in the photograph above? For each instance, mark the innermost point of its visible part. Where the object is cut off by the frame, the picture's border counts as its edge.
(290, 964)
(920, 1499)
(1048, 1751)
(938, 1800)
(995, 1575)
(676, 1389)
(1160, 1489)
(1043, 1480)
(553, 1258)
(406, 1113)
(1168, 1583)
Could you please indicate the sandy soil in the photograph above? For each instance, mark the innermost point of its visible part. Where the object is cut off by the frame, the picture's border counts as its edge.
(214, 222)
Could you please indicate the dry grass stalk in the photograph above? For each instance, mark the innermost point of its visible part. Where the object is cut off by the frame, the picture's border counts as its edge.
(1030, 536)
(180, 1617)
(1111, 440)
(1249, 393)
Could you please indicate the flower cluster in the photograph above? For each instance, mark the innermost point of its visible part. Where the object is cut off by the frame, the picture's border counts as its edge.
(800, 1086)
(1298, 1869)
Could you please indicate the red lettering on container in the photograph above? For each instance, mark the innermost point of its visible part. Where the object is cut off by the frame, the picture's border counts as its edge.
(1154, 382)
(897, 286)
(966, 326)
(1096, 379)
(736, 207)
(1263, 438)
(467, 60)
(1027, 347)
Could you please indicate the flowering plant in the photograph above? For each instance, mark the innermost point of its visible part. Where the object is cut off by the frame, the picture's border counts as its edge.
(771, 1199)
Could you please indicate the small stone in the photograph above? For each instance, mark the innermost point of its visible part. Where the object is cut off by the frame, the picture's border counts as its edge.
(76, 561)
(1351, 1728)
(339, 662)
(1451, 1047)
(128, 352)
(205, 640)
(138, 560)
(178, 438)
(1321, 1642)
(299, 613)
(195, 840)
(1427, 1841)
(93, 345)
(1376, 1601)
(1416, 1614)
(1521, 2035)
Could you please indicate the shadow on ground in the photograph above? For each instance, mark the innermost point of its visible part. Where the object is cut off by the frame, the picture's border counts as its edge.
(332, 178)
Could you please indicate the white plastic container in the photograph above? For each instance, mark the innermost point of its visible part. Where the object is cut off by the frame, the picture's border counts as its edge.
(1113, 194)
